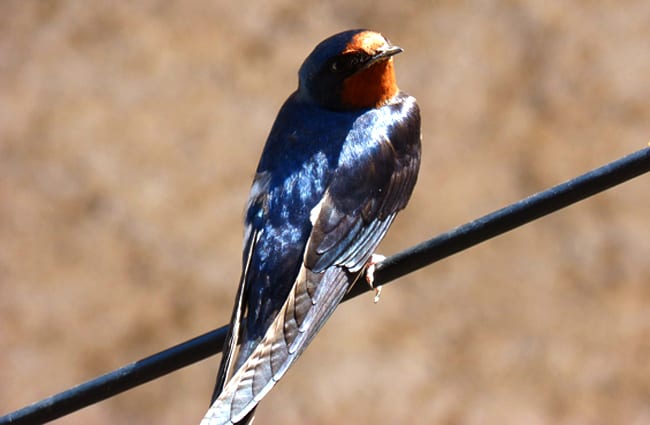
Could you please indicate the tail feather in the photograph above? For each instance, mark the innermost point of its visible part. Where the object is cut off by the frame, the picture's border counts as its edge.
(307, 308)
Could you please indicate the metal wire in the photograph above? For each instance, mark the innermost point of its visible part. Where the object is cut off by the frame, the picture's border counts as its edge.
(405, 262)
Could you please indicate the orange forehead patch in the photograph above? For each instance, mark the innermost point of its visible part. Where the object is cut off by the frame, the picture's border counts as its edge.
(366, 41)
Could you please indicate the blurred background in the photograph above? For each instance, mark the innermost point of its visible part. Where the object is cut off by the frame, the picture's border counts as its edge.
(129, 133)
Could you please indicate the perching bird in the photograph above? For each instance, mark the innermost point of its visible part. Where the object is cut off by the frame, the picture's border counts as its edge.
(341, 160)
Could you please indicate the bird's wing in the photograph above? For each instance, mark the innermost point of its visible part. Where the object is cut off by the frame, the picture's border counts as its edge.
(348, 224)
(232, 338)
(256, 200)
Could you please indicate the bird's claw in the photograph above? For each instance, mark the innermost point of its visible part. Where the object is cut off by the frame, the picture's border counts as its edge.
(370, 274)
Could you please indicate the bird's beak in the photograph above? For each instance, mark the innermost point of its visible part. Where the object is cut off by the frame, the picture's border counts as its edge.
(385, 53)
(382, 54)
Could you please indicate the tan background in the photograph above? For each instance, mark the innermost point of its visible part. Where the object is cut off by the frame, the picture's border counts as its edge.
(129, 132)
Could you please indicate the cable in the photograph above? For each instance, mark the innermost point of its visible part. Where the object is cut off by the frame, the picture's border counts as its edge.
(510, 217)
(405, 262)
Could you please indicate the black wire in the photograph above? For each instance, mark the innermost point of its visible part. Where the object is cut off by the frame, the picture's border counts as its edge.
(510, 217)
(405, 262)
(120, 380)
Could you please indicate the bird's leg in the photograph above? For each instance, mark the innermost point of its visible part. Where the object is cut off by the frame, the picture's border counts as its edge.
(370, 273)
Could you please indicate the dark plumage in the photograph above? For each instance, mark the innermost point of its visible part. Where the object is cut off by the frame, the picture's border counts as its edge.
(341, 160)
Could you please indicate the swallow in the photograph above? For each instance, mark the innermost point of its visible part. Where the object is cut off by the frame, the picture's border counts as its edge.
(341, 160)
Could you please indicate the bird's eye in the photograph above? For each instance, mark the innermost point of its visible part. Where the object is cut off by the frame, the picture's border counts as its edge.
(338, 65)
(347, 62)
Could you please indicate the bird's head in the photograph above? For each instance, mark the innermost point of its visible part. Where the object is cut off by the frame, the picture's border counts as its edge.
(350, 70)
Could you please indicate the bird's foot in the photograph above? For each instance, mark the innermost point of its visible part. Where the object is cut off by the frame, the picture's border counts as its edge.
(370, 274)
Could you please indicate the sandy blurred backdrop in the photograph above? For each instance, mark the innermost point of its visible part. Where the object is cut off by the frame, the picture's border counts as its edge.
(129, 132)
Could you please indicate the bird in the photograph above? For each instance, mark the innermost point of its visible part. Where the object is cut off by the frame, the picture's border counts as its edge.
(340, 161)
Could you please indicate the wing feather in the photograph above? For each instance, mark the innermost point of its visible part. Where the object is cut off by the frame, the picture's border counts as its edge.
(357, 208)
(232, 338)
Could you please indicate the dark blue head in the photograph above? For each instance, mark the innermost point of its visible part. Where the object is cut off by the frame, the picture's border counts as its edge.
(350, 70)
